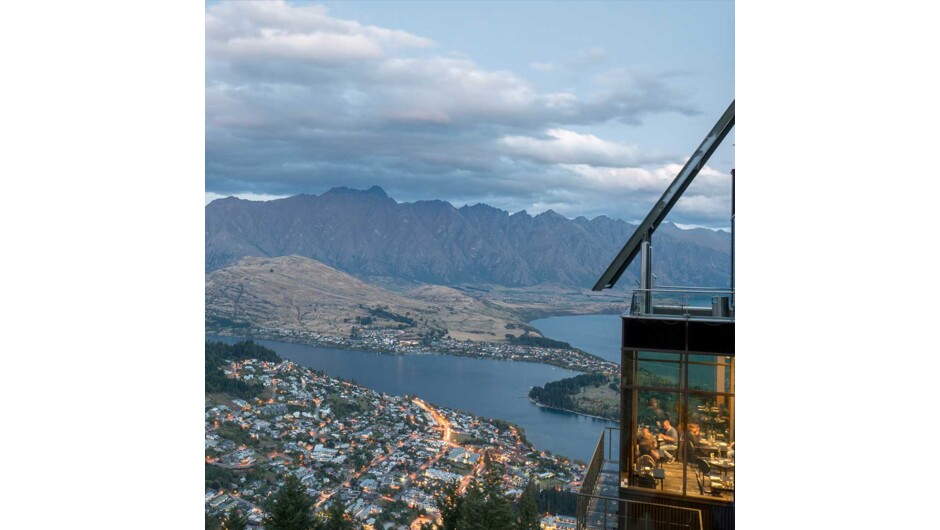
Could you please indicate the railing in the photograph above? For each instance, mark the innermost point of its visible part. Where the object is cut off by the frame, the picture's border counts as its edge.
(589, 484)
(601, 479)
(600, 508)
(683, 302)
(611, 513)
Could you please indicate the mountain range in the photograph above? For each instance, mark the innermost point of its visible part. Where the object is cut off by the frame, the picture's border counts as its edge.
(367, 234)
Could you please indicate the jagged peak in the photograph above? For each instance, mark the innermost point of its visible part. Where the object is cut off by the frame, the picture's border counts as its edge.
(551, 214)
(374, 191)
(483, 207)
(226, 200)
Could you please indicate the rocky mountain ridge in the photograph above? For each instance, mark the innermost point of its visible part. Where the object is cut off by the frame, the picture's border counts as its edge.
(368, 234)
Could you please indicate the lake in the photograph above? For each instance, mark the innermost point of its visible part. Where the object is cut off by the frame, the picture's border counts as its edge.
(486, 387)
(597, 334)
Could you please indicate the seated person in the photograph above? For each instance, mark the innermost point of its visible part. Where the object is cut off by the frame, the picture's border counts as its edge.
(696, 439)
(669, 442)
(647, 443)
(695, 434)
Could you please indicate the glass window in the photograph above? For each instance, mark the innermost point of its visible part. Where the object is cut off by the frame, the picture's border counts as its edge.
(659, 356)
(658, 374)
(710, 377)
(657, 411)
(655, 406)
(720, 359)
(709, 445)
(684, 424)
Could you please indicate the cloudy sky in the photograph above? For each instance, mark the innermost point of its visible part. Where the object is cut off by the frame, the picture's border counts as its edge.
(583, 108)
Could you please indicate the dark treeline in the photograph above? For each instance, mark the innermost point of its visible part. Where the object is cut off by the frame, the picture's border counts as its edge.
(382, 313)
(557, 501)
(217, 353)
(220, 478)
(558, 393)
(539, 342)
(484, 506)
(290, 508)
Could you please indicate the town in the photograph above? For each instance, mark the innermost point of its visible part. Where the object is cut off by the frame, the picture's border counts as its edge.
(401, 342)
(386, 458)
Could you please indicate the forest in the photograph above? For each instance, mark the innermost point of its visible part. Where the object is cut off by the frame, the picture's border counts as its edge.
(558, 393)
(217, 353)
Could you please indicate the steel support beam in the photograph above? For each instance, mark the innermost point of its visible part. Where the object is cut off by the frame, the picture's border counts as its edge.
(668, 200)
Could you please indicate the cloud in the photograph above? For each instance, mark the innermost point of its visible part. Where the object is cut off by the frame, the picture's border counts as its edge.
(708, 180)
(315, 46)
(277, 30)
(298, 101)
(561, 146)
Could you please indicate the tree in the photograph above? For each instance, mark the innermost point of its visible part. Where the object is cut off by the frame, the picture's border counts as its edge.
(450, 504)
(473, 509)
(336, 517)
(497, 510)
(212, 523)
(235, 520)
(290, 508)
(528, 509)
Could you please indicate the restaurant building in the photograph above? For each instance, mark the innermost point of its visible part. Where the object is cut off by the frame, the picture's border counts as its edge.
(671, 463)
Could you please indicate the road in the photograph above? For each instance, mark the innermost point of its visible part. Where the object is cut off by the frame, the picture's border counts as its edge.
(447, 435)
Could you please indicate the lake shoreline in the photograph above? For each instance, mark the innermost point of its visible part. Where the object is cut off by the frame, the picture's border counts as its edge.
(392, 352)
(544, 406)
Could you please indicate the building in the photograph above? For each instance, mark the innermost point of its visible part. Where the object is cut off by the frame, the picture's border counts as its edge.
(558, 522)
(671, 463)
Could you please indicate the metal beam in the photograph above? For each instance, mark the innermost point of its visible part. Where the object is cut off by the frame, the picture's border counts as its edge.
(668, 200)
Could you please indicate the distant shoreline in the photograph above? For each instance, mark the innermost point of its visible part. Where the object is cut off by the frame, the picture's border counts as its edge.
(543, 405)
(301, 342)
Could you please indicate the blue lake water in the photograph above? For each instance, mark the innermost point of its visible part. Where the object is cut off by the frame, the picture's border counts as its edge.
(597, 334)
(490, 388)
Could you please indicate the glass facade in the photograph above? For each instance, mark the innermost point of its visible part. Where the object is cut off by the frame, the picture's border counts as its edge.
(680, 409)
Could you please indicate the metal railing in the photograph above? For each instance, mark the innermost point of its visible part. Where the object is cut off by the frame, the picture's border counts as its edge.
(611, 513)
(683, 302)
(589, 484)
(601, 479)
(599, 505)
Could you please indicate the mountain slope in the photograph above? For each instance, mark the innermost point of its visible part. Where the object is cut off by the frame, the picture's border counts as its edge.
(301, 294)
(368, 234)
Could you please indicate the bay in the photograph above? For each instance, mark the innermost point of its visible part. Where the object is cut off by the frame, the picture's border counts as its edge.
(597, 334)
(486, 387)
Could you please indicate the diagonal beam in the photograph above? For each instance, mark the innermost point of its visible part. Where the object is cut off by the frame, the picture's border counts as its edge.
(668, 200)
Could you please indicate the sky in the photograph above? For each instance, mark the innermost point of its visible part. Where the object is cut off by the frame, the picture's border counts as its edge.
(586, 109)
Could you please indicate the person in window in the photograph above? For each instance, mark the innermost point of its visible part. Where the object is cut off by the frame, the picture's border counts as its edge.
(653, 412)
(695, 434)
(669, 441)
(695, 440)
(647, 444)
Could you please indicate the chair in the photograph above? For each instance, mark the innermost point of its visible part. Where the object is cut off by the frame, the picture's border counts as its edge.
(645, 468)
(703, 477)
(701, 470)
(689, 454)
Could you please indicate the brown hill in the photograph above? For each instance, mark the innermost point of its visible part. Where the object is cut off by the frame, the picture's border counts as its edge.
(302, 294)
